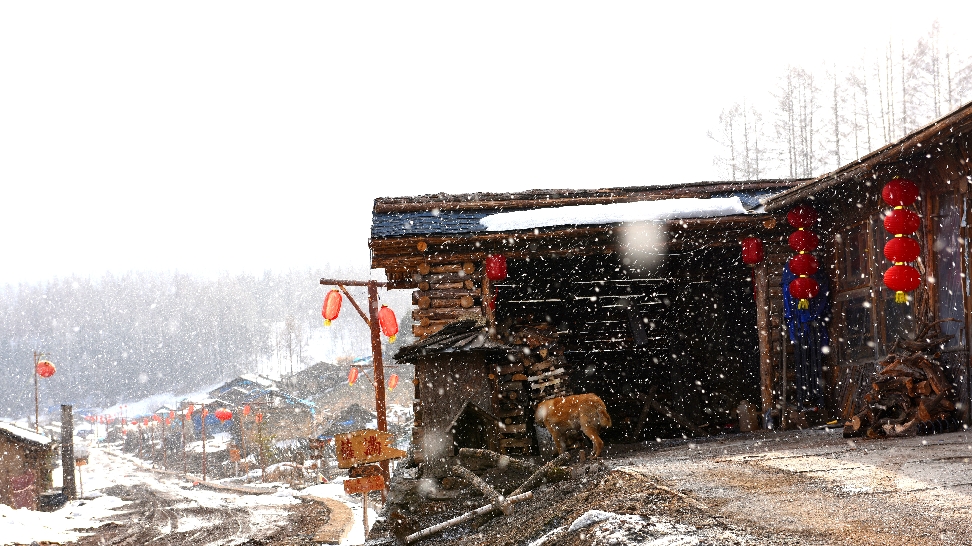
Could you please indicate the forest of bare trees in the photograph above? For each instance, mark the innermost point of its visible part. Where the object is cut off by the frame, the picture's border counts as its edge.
(819, 120)
(121, 338)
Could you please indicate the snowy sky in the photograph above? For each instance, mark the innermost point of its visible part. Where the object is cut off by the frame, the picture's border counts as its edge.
(241, 136)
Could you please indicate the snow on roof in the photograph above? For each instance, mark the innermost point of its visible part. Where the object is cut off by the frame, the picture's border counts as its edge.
(615, 213)
(258, 379)
(25, 434)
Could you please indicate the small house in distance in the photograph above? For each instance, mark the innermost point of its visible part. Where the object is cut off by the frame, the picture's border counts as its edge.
(27, 460)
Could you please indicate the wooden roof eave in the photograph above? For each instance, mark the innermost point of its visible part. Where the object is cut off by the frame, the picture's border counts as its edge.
(915, 144)
(498, 202)
(402, 253)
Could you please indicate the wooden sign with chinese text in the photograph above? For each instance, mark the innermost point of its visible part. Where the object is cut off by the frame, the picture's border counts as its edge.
(364, 446)
(363, 485)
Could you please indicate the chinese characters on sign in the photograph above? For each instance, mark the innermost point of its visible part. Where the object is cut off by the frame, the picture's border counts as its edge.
(365, 446)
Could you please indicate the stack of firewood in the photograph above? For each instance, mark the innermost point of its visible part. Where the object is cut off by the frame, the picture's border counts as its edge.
(446, 293)
(537, 373)
(911, 389)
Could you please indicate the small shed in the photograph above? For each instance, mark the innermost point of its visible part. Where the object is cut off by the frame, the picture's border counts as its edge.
(27, 461)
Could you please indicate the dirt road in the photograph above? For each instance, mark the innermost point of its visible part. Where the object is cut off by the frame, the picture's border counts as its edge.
(804, 488)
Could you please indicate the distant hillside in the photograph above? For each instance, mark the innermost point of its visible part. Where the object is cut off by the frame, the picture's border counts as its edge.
(118, 339)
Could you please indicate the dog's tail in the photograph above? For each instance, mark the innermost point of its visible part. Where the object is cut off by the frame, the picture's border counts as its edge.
(605, 418)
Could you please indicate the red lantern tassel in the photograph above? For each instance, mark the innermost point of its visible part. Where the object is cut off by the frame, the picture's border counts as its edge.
(803, 304)
(900, 297)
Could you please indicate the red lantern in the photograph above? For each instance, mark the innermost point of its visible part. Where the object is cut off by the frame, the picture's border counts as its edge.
(332, 306)
(189, 411)
(495, 267)
(902, 278)
(156, 418)
(224, 415)
(902, 249)
(804, 288)
(168, 421)
(259, 417)
(388, 323)
(145, 421)
(804, 264)
(802, 216)
(900, 192)
(752, 250)
(246, 410)
(171, 414)
(134, 423)
(803, 241)
(352, 376)
(392, 381)
(902, 222)
(45, 369)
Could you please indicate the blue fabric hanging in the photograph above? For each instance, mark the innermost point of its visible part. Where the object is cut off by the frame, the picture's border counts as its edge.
(808, 331)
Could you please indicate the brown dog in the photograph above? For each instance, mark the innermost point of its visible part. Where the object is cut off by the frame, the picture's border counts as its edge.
(580, 412)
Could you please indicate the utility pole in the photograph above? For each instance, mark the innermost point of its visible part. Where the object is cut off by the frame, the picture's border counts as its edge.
(371, 319)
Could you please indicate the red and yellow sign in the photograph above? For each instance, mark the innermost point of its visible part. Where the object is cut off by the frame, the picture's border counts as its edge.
(364, 446)
(363, 485)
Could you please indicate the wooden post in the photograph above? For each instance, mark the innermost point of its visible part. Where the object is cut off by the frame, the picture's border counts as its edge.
(185, 461)
(152, 441)
(364, 513)
(488, 298)
(765, 340)
(202, 419)
(67, 452)
(379, 371)
(36, 395)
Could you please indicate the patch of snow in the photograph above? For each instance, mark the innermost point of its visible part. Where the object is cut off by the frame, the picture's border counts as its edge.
(614, 213)
(335, 490)
(590, 518)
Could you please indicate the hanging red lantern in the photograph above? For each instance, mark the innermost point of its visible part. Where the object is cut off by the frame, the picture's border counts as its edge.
(803, 241)
(45, 368)
(332, 306)
(752, 250)
(804, 288)
(802, 216)
(168, 421)
(392, 381)
(352, 376)
(902, 278)
(156, 418)
(902, 222)
(804, 264)
(900, 192)
(388, 323)
(223, 415)
(171, 414)
(145, 421)
(134, 423)
(246, 410)
(259, 417)
(495, 267)
(189, 411)
(902, 249)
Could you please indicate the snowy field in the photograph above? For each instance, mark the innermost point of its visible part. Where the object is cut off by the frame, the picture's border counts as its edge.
(184, 511)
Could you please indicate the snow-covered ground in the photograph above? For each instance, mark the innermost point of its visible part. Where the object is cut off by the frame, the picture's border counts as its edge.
(111, 472)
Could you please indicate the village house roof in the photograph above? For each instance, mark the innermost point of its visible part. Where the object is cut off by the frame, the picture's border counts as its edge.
(408, 232)
(938, 138)
(463, 335)
(16, 433)
(451, 214)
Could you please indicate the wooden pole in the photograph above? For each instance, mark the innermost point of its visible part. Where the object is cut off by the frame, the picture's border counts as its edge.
(152, 441)
(36, 395)
(761, 285)
(379, 369)
(185, 461)
(203, 420)
(364, 513)
(463, 518)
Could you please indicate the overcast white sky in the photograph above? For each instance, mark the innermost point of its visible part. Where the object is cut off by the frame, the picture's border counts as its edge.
(239, 136)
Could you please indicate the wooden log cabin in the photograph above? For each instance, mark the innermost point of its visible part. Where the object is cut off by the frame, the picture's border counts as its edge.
(672, 348)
